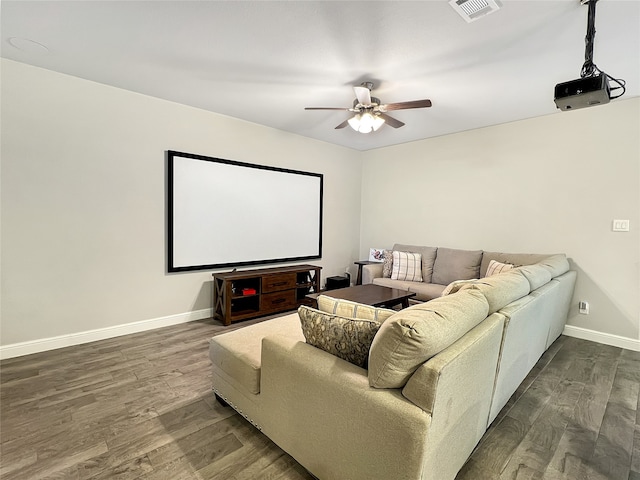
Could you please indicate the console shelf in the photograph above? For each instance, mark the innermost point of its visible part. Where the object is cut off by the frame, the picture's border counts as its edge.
(248, 294)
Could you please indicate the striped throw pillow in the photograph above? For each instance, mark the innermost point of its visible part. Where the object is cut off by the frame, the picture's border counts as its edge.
(407, 266)
(346, 308)
(497, 267)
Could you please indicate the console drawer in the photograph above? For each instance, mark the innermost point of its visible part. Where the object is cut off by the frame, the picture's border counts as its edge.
(273, 302)
(277, 282)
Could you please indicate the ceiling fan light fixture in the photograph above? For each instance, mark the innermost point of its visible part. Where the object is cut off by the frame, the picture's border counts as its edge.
(354, 122)
(377, 122)
(365, 122)
(370, 113)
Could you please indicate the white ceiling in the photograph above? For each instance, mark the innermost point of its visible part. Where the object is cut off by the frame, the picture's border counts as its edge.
(264, 61)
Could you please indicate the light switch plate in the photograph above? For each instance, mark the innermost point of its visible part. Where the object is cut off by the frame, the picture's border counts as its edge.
(621, 225)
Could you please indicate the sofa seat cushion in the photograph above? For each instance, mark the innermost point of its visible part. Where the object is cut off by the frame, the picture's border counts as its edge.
(501, 289)
(347, 308)
(413, 335)
(387, 282)
(238, 353)
(452, 264)
(424, 291)
(346, 338)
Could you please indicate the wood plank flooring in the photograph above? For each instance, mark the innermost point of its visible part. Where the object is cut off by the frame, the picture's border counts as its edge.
(140, 406)
(576, 416)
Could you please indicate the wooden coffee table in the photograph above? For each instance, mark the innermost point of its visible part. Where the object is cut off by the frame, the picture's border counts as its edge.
(370, 294)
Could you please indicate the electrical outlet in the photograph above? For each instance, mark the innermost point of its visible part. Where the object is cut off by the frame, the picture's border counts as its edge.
(583, 308)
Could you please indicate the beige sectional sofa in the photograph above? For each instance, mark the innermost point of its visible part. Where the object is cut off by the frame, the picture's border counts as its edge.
(437, 373)
(441, 266)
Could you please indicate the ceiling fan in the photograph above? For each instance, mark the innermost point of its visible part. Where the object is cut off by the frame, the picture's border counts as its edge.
(370, 114)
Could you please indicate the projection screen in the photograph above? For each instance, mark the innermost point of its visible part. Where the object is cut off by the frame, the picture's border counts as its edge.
(223, 213)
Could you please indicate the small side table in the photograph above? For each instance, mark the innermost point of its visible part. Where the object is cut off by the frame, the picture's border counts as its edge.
(360, 263)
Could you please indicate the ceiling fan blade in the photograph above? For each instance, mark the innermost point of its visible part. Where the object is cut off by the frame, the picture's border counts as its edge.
(327, 108)
(343, 124)
(392, 122)
(404, 105)
(363, 94)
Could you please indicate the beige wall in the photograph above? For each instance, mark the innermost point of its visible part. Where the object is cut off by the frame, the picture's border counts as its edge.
(83, 196)
(548, 184)
(83, 201)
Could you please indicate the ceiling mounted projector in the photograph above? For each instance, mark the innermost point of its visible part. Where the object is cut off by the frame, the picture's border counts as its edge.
(592, 88)
(583, 92)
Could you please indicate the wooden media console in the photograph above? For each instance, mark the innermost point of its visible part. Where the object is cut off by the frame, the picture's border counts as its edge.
(247, 294)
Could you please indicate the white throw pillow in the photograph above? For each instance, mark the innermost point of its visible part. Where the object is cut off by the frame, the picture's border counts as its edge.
(497, 267)
(407, 266)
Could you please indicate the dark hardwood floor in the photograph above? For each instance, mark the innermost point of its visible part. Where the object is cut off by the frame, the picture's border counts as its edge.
(576, 416)
(140, 406)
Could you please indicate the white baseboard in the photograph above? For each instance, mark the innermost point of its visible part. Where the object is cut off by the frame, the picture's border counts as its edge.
(44, 344)
(605, 338)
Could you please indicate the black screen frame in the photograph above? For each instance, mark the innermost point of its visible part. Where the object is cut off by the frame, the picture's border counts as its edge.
(171, 240)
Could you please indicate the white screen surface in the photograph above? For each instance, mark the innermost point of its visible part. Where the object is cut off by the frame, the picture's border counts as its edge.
(224, 213)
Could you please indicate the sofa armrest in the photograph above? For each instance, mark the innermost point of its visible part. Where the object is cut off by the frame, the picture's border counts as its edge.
(322, 411)
(456, 387)
(371, 271)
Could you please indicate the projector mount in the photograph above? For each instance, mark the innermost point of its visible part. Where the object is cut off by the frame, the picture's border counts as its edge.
(592, 88)
(588, 67)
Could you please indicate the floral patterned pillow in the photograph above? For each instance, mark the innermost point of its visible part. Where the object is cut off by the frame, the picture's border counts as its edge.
(347, 338)
(387, 265)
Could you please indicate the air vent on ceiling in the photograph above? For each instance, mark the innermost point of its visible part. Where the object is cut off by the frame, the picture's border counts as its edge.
(472, 10)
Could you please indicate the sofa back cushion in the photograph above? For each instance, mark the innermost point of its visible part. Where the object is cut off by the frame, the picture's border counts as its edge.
(456, 285)
(537, 275)
(452, 264)
(556, 264)
(413, 335)
(516, 259)
(346, 308)
(501, 289)
(428, 257)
